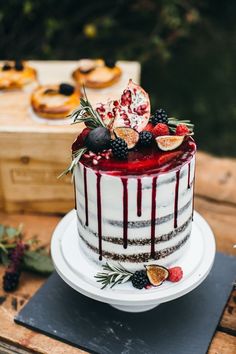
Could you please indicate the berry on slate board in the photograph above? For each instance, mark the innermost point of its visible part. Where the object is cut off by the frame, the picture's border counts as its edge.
(182, 129)
(66, 89)
(119, 148)
(160, 116)
(145, 138)
(98, 139)
(161, 129)
(175, 274)
(139, 279)
(18, 65)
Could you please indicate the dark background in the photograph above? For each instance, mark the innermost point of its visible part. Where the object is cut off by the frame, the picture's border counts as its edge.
(187, 50)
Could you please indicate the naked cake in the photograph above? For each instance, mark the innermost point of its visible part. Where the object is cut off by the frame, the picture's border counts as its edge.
(133, 178)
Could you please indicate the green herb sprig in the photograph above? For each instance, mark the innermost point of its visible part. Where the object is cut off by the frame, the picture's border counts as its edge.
(86, 114)
(35, 258)
(173, 122)
(113, 275)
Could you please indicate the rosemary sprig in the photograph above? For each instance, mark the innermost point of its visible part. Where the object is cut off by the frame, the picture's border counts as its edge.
(173, 122)
(86, 114)
(113, 275)
(75, 159)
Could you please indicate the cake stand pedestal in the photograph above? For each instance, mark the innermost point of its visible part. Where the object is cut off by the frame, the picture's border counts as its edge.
(78, 272)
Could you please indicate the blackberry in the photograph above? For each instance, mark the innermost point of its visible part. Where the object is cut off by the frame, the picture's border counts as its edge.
(139, 279)
(66, 89)
(6, 67)
(160, 116)
(145, 138)
(119, 148)
(11, 280)
(110, 63)
(18, 65)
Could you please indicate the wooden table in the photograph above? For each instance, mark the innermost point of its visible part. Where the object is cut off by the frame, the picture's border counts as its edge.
(215, 199)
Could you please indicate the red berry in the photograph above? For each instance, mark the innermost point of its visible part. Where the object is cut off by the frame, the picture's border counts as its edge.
(161, 129)
(181, 129)
(175, 274)
(79, 142)
(149, 127)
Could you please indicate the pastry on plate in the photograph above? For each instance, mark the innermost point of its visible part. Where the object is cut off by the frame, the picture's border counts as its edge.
(97, 73)
(16, 75)
(55, 101)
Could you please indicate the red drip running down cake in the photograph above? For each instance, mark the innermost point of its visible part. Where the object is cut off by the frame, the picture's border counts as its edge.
(134, 179)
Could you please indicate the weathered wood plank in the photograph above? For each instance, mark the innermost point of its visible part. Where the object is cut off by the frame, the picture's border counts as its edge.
(223, 343)
(228, 321)
(216, 178)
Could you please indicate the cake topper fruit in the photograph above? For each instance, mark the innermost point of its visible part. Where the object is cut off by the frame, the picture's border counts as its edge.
(169, 142)
(152, 275)
(115, 127)
(129, 135)
(133, 109)
(156, 274)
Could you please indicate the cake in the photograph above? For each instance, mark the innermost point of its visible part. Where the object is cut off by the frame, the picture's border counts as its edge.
(55, 101)
(133, 179)
(17, 75)
(96, 73)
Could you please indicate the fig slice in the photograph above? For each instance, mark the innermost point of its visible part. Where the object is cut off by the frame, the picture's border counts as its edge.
(156, 274)
(129, 135)
(169, 142)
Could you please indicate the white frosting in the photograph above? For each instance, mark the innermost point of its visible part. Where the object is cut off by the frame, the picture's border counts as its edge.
(139, 227)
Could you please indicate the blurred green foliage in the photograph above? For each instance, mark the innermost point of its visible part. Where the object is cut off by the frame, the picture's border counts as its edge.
(186, 47)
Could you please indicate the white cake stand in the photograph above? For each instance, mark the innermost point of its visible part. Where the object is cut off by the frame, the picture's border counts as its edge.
(78, 272)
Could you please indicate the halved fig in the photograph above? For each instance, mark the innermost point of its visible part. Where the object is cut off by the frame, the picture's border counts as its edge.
(129, 135)
(133, 108)
(169, 142)
(156, 274)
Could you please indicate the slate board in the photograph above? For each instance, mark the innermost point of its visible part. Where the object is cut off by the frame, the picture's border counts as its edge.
(182, 326)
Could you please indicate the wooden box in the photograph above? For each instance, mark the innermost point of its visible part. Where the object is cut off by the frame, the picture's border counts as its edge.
(33, 154)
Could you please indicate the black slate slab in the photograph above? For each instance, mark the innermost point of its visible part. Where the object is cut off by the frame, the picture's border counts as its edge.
(182, 326)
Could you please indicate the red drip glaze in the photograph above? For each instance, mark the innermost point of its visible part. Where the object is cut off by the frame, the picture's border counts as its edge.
(125, 211)
(193, 197)
(139, 197)
(145, 161)
(153, 216)
(189, 165)
(74, 194)
(176, 199)
(85, 196)
(99, 214)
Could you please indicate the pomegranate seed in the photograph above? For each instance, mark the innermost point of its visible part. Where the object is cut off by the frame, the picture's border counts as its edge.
(110, 115)
(95, 162)
(116, 103)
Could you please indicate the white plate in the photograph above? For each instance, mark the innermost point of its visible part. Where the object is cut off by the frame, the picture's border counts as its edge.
(78, 272)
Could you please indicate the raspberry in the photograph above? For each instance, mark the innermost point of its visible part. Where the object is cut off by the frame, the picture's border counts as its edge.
(80, 141)
(161, 129)
(145, 138)
(182, 129)
(139, 279)
(175, 274)
(149, 127)
(160, 116)
(119, 148)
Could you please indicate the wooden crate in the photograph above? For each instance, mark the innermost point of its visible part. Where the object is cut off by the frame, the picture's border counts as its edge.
(33, 154)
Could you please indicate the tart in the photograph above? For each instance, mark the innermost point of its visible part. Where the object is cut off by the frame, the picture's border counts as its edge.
(16, 75)
(97, 73)
(55, 101)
